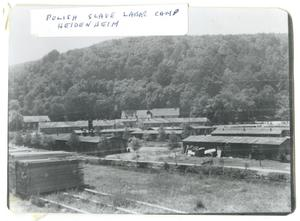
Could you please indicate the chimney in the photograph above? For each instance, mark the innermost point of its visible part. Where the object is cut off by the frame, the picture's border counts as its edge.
(90, 124)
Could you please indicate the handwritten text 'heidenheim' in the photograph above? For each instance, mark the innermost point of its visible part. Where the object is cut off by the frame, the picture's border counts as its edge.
(97, 20)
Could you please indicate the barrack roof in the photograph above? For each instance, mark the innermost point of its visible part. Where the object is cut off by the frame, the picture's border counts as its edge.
(236, 140)
(165, 112)
(176, 120)
(249, 131)
(155, 132)
(35, 119)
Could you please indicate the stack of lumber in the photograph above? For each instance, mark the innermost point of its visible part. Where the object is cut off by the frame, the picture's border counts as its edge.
(37, 176)
(26, 155)
(16, 156)
(19, 149)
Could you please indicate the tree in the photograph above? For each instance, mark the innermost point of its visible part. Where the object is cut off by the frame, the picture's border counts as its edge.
(27, 140)
(146, 137)
(57, 112)
(227, 78)
(173, 144)
(36, 140)
(48, 142)
(73, 142)
(223, 108)
(126, 134)
(163, 76)
(266, 103)
(283, 110)
(245, 105)
(103, 106)
(51, 56)
(15, 121)
(18, 139)
(161, 134)
(186, 130)
(14, 105)
(135, 144)
(104, 145)
(185, 99)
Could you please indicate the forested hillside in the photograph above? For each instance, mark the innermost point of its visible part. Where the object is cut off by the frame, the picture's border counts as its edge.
(227, 78)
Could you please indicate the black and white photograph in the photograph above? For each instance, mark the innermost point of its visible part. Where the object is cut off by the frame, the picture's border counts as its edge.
(200, 123)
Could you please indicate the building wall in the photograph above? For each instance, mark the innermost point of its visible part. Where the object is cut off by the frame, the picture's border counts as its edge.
(248, 135)
(111, 146)
(165, 116)
(202, 131)
(60, 130)
(272, 152)
(31, 125)
(170, 124)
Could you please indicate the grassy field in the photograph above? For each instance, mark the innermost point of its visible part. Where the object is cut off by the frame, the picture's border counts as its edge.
(162, 154)
(191, 193)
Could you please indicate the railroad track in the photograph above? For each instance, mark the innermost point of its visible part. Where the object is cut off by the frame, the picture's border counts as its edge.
(91, 201)
(62, 205)
(138, 202)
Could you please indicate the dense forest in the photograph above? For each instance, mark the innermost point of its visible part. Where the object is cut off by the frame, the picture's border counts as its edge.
(227, 78)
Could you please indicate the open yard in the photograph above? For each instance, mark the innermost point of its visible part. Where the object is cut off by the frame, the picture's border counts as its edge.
(187, 193)
(169, 191)
(191, 193)
(161, 153)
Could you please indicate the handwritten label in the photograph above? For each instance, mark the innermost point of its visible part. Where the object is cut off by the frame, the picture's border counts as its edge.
(110, 21)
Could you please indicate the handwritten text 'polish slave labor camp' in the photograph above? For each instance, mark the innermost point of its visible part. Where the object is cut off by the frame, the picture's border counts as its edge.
(110, 21)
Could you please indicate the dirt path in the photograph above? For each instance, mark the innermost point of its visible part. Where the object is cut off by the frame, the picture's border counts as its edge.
(264, 170)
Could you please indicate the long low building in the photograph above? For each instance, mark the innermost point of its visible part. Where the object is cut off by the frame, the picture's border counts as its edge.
(174, 122)
(276, 148)
(201, 130)
(152, 113)
(267, 124)
(94, 145)
(273, 123)
(118, 132)
(70, 126)
(32, 122)
(153, 134)
(255, 132)
(62, 126)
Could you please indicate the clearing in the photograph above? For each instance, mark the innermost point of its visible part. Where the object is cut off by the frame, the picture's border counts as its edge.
(191, 193)
(161, 153)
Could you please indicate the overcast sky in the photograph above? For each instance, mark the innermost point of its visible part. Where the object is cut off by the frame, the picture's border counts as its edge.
(25, 47)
